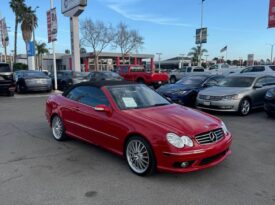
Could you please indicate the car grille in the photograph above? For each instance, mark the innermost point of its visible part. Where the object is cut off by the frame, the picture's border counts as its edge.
(212, 98)
(210, 137)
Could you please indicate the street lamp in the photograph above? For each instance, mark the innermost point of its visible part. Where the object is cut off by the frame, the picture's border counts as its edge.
(206, 56)
(182, 60)
(271, 52)
(200, 53)
(159, 54)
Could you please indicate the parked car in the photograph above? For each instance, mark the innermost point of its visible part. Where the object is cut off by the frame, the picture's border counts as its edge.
(104, 75)
(7, 85)
(178, 74)
(135, 122)
(269, 104)
(30, 80)
(185, 91)
(67, 78)
(238, 93)
(264, 69)
(223, 69)
(137, 73)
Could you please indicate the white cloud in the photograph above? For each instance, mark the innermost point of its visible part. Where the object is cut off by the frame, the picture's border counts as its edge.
(123, 7)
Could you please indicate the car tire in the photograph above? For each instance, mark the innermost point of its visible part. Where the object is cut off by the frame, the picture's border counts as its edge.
(173, 80)
(18, 89)
(245, 107)
(139, 156)
(141, 81)
(58, 129)
(10, 93)
(269, 114)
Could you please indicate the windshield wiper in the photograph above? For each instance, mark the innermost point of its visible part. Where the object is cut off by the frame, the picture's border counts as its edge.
(159, 104)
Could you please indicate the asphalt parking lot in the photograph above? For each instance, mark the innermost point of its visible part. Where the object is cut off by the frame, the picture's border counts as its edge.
(35, 169)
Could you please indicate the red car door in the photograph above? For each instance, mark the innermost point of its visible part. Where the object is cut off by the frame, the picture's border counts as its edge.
(100, 128)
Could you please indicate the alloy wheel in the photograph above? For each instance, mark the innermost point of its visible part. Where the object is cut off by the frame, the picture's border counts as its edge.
(57, 128)
(138, 156)
(245, 107)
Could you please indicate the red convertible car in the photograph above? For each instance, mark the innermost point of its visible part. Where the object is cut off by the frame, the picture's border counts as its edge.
(135, 122)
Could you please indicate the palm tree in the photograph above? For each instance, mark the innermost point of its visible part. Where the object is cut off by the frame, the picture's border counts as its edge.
(29, 23)
(17, 6)
(41, 49)
(195, 52)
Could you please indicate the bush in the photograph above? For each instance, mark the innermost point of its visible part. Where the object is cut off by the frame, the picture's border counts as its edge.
(20, 66)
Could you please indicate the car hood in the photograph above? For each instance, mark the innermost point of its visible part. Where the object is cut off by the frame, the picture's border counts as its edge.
(177, 119)
(222, 91)
(175, 87)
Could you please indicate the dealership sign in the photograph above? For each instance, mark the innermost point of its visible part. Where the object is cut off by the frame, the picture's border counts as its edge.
(250, 59)
(201, 36)
(73, 7)
(52, 25)
(271, 16)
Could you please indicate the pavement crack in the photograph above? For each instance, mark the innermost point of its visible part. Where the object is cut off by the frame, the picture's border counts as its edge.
(10, 179)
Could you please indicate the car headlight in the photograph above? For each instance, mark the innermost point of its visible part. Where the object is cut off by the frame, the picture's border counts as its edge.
(224, 128)
(178, 141)
(182, 92)
(269, 94)
(231, 97)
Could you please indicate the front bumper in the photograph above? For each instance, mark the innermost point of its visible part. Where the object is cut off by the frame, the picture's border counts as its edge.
(223, 106)
(269, 106)
(39, 88)
(201, 158)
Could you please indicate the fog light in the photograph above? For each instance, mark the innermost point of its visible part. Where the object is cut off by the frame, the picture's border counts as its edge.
(184, 164)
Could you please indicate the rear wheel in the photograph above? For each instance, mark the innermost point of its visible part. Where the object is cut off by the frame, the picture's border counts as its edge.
(244, 107)
(141, 81)
(139, 156)
(58, 129)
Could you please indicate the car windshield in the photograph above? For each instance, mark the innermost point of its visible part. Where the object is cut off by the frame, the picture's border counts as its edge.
(5, 68)
(192, 80)
(34, 74)
(136, 97)
(241, 82)
(80, 74)
(111, 75)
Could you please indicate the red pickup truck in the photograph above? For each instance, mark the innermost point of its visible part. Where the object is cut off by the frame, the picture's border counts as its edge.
(137, 73)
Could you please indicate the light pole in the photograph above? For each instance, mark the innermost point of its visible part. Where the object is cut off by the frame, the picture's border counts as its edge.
(200, 48)
(54, 58)
(206, 57)
(182, 60)
(271, 52)
(33, 34)
(159, 54)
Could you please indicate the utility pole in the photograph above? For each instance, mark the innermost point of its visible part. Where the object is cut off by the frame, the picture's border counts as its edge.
(159, 54)
(200, 48)
(54, 58)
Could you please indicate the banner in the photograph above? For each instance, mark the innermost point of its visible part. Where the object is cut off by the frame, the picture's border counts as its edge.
(52, 25)
(201, 36)
(31, 48)
(271, 15)
(4, 33)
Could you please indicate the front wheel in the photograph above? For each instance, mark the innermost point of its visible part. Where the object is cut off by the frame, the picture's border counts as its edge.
(58, 129)
(244, 107)
(139, 156)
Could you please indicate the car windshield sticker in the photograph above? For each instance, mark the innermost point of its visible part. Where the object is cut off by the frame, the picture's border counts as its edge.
(129, 102)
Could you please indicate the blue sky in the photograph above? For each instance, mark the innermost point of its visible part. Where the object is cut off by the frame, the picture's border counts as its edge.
(169, 26)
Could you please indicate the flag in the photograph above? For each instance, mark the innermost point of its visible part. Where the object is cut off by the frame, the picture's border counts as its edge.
(224, 49)
(271, 15)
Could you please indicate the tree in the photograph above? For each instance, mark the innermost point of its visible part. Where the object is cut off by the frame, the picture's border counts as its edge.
(83, 50)
(127, 40)
(41, 49)
(195, 52)
(96, 35)
(18, 7)
(29, 23)
(67, 51)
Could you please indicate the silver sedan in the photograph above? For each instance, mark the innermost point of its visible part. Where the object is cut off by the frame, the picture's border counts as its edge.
(237, 93)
